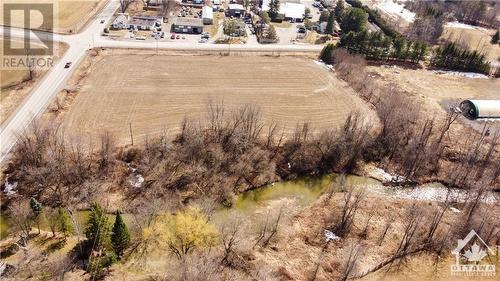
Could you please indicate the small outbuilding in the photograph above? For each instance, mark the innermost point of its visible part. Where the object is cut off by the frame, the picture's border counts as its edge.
(236, 10)
(480, 109)
(187, 25)
(207, 14)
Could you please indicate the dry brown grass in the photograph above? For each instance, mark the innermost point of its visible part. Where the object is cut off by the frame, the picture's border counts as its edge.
(14, 88)
(154, 93)
(70, 15)
(474, 39)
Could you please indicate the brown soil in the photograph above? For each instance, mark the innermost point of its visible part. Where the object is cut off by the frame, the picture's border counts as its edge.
(155, 93)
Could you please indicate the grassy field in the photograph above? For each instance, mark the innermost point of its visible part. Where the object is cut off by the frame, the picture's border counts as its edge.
(155, 93)
(474, 39)
(13, 87)
(70, 15)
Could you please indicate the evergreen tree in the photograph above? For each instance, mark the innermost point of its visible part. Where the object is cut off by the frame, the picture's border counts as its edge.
(354, 19)
(339, 10)
(324, 16)
(36, 208)
(326, 54)
(64, 222)
(274, 8)
(97, 231)
(120, 237)
(330, 24)
(496, 37)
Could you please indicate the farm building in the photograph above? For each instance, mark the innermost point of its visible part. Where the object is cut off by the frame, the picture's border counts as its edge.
(187, 25)
(120, 22)
(207, 15)
(480, 109)
(236, 10)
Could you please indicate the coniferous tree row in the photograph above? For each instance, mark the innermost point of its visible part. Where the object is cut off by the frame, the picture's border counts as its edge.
(377, 46)
(452, 57)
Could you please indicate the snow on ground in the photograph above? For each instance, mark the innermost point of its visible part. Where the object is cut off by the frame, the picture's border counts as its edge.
(10, 188)
(457, 24)
(391, 8)
(322, 64)
(381, 175)
(433, 192)
(137, 182)
(330, 236)
(462, 74)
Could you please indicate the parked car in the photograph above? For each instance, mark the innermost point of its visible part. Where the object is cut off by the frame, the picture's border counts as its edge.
(172, 36)
(178, 36)
(68, 64)
(102, 21)
(205, 35)
(203, 40)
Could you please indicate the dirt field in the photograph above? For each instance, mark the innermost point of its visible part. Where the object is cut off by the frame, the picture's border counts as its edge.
(154, 93)
(70, 15)
(440, 88)
(474, 39)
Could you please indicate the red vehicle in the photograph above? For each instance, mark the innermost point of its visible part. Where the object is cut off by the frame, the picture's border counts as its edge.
(67, 65)
(172, 36)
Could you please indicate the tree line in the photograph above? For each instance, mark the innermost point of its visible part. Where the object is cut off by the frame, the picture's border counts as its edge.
(452, 57)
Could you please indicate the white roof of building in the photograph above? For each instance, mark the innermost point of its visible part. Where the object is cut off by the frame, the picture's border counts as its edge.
(236, 7)
(207, 12)
(216, 2)
(293, 10)
(290, 10)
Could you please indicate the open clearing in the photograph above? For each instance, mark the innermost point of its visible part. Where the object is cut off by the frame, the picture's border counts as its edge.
(155, 93)
(70, 15)
(474, 39)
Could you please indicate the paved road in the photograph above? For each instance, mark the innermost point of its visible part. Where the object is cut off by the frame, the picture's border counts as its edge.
(54, 80)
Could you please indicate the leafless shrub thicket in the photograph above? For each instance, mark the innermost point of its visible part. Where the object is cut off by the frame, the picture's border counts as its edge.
(417, 146)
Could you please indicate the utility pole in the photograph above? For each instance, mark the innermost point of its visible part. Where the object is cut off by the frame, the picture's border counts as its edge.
(131, 135)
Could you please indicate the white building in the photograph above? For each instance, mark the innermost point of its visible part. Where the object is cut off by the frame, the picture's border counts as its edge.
(293, 11)
(120, 22)
(207, 14)
(289, 11)
(236, 10)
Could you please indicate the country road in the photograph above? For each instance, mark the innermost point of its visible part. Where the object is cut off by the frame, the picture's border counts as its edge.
(54, 80)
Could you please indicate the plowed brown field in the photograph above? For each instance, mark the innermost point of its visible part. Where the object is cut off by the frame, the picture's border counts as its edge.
(155, 93)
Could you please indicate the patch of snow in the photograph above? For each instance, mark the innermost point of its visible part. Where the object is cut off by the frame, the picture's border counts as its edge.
(10, 188)
(462, 74)
(330, 236)
(322, 64)
(384, 176)
(391, 8)
(454, 210)
(457, 24)
(137, 183)
(431, 193)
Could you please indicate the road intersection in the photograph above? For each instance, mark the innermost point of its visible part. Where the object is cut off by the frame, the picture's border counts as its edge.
(54, 80)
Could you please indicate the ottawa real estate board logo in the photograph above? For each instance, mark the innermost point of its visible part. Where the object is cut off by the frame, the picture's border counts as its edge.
(472, 257)
(28, 36)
